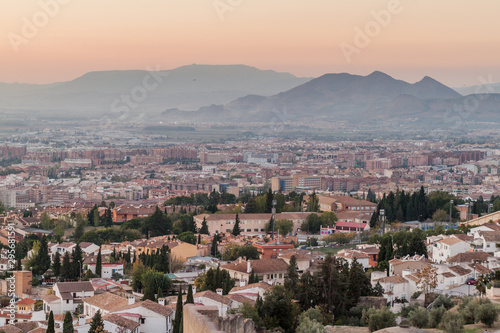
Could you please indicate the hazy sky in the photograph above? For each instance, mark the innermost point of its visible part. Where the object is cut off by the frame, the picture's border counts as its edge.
(454, 41)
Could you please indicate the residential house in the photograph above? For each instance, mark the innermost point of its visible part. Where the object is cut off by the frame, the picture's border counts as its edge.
(252, 291)
(272, 249)
(448, 247)
(67, 296)
(108, 270)
(271, 271)
(350, 255)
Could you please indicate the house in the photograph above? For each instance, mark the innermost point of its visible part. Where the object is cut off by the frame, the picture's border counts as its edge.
(89, 248)
(371, 251)
(271, 250)
(413, 264)
(461, 273)
(394, 286)
(347, 227)
(151, 316)
(486, 241)
(448, 247)
(350, 255)
(112, 323)
(208, 298)
(65, 247)
(26, 305)
(67, 296)
(108, 270)
(251, 291)
(105, 302)
(271, 271)
(303, 258)
(464, 258)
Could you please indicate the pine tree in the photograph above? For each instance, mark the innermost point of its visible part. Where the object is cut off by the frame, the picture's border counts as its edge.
(204, 227)
(251, 206)
(97, 325)
(236, 228)
(98, 265)
(199, 239)
(178, 314)
(50, 324)
(269, 201)
(68, 323)
(190, 299)
(56, 265)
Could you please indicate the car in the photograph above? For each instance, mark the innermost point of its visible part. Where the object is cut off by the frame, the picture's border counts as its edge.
(470, 281)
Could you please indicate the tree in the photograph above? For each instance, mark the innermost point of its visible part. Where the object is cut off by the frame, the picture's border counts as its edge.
(236, 228)
(283, 226)
(98, 265)
(487, 314)
(79, 230)
(43, 258)
(2, 208)
(452, 322)
(76, 262)
(50, 324)
(204, 227)
(269, 201)
(46, 221)
(96, 218)
(278, 309)
(157, 224)
(213, 249)
(251, 206)
(68, 323)
(419, 317)
(56, 265)
(178, 313)
(66, 267)
(188, 237)
(310, 321)
(328, 219)
(97, 324)
(440, 216)
(292, 275)
(312, 224)
(313, 203)
(253, 278)
(377, 319)
(190, 299)
(427, 279)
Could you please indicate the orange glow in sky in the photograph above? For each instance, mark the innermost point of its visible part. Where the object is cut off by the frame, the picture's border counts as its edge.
(454, 41)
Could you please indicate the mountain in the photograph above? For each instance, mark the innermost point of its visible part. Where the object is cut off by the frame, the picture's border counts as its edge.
(489, 88)
(338, 97)
(188, 88)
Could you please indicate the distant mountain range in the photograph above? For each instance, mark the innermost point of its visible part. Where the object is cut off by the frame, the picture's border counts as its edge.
(374, 98)
(235, 93)
(188, 87)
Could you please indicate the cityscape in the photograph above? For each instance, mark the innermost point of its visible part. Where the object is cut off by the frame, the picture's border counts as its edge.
(228, 166)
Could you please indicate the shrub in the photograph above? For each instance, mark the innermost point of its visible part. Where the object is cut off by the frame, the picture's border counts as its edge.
(436, 315)
(486, 313)
(468, 308)
(419, 318)
(377, 319)
(443, 300)
(405, 310)
(452, 322)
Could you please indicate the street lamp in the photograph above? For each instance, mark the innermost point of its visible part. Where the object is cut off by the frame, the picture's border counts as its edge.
(273, 211)
(382, 216)
(451, 205)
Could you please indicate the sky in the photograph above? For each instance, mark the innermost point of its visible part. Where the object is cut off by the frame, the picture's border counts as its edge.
(454, 41)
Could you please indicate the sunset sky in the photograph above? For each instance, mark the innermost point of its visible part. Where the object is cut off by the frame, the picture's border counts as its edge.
(454, 41)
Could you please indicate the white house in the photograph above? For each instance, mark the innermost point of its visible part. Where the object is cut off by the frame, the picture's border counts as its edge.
(105, 302)
(152, 317)
(89, 248)
(486, 241)
(448, 247)
(251, 290)
(66, 296)
(394, 286)
(107, 269)
(350, 255)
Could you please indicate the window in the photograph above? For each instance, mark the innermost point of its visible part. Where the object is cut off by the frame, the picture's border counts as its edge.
(143, 320)
(256, 230)
(249, 230)
(67, 301)
(281, 275)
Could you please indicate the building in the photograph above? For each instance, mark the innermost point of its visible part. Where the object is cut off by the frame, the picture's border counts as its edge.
(448, 247)
(271, 271)
(67, 296)
(296, 182)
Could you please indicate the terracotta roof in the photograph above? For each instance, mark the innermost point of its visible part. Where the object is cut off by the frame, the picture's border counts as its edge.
(349, 254)
(10, 329)
(259, 266)
(299, 254)
(262, 285)
(464, 237)
(469, 257)
(150, 305)
(392, 279)
(107, 301)
(492, 226)
(448, 274)
(213, 296)
(412, 277)
(28, 326)
(479, 268)
(490, 236)
(459, 270)
(240, 299)
(26, 301)
(50, 298)
(121, 321)
(449, 241)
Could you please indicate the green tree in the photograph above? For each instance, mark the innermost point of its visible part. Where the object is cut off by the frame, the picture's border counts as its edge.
(278, 309)
(56, 265)
(97, 324)
(377, 319)
(328, 219)
(76, 262)
(42, 263)
(292, 276)
(46, 222)
(96, 218)
(66, 267)
(269, 201)
(188, 237)
(310, 321)
(236, 228)
(452, 322)
(50, 324)
(98, 265)
(435, 316)
(2, 208)
(440, 216)
(190, 299)
(419, 317)
(178, 314)
(487, 313)
(213, 250)
(68, 323)
(283, 226)
(204, 227)
(251, 206)
(312, 224)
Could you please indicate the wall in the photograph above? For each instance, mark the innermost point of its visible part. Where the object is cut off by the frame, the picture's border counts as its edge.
(205, 319)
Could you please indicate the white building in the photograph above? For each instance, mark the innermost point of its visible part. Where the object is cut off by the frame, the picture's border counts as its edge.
(66, 296)
(448, 247)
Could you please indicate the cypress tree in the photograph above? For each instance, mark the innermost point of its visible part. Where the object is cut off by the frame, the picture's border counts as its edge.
(76, 262)
(56, 265)
(50, 324)
(292, 275)
(159, 294)
(97, 325)
(178, 314)
(66, 267)
(236, 228)
(68, 323)
(204, 227)
(190, 299)
(269, 200)
(98, 265)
